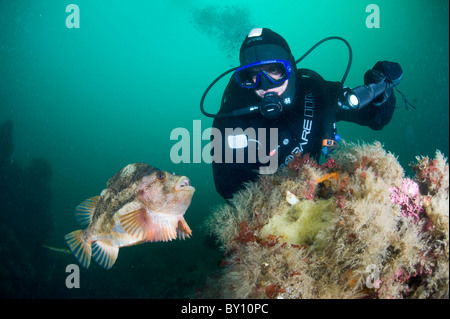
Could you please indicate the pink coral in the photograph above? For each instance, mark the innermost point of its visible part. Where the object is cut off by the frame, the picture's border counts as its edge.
(409, 198)
(300, 160)
(330, 164)
(410, 187)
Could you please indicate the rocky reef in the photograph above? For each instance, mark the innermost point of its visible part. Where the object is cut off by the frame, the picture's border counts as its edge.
(25, 222)
(353, 227)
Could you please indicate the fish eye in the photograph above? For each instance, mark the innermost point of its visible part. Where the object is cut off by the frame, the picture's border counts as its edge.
(160, 175)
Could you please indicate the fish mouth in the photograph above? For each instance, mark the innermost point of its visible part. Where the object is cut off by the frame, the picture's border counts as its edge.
(184, 184)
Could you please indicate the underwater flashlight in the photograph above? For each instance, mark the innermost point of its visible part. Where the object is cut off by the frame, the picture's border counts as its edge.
(361, 96)
(353, 100)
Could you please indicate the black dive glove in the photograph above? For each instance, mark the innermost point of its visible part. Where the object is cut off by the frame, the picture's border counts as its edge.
(384, 70)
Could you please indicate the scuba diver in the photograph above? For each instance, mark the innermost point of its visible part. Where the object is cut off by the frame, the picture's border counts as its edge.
(267, 91)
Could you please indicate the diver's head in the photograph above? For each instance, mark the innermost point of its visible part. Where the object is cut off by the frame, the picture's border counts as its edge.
(267, 67)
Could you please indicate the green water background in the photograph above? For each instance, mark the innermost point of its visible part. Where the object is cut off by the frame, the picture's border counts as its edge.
(93, 99)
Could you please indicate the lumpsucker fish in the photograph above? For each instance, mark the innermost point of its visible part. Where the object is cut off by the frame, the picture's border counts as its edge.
(140, 204)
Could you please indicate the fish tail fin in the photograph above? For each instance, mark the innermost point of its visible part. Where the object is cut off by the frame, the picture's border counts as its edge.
(59, 250)
(79, 247)
(105, 255)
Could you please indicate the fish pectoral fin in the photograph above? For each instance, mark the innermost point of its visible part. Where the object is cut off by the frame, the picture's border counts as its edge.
(160, 232)
(183, 229)
(161, 227)
(135, 223)
(79, 247)
(150, 226)
(85, 210)
(104, 254)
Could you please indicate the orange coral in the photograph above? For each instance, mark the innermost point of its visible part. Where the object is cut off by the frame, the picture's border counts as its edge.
(245, 234)
(271, 241)
(271, 290)
(333, 176)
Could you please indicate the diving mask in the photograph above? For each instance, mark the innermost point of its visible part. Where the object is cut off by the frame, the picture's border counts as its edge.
(275, 71)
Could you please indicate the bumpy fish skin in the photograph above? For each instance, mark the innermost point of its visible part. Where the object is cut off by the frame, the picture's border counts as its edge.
(140, 204)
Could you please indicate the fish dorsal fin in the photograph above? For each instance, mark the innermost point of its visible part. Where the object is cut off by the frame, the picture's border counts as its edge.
(105, 255)
(183, 229)
(85, 210)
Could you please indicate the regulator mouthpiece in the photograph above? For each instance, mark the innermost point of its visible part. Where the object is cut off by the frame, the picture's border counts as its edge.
(271, 106)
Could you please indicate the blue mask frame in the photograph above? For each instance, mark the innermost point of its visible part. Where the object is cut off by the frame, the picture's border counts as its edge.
(247, 84)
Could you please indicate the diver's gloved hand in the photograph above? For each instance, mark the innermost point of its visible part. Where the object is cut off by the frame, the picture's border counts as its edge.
(384, 70)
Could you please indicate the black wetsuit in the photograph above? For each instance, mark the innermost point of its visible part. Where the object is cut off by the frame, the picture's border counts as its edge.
(300, 129)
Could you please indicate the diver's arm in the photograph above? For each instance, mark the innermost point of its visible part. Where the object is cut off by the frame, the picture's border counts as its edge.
(230, 177)
(379, 112)
(373, 116)
(230, 173)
